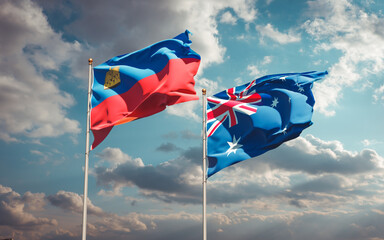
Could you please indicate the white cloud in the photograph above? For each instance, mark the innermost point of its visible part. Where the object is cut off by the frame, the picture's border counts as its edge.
(312, 176)
(31, 104)
(267, 60)
(161, 182)
(188, 109)
(370, 142)
(228, 18)
(211, 86)
(34, 106)
(116, 157)
(378, 95)
(14, 210)
(357, 34)
(199, 17)
(306, 164)
(238, 81)
(325, 157)
(308, 210)
(283, 38)
(34, 201)
(73, 202)
(253, 70)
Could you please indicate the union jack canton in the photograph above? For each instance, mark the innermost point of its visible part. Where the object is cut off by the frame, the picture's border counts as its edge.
(236, 102)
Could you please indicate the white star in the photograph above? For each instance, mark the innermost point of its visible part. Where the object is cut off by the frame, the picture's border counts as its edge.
(283, 78)
(275, 102)
(233, 146)
(284, 131)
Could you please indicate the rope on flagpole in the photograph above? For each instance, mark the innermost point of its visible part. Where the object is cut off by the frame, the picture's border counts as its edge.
(204, 164)
(85, 197)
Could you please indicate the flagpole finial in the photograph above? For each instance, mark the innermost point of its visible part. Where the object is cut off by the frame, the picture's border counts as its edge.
(90, 61)
(204, 91)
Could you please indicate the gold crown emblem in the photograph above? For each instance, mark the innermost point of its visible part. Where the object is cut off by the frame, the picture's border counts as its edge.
(112, 78)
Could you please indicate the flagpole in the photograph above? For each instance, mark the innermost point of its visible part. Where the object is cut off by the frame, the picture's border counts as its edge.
(84, 232)
(204, 164)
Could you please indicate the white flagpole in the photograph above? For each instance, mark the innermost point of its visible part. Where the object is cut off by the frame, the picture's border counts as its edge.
(204, 164)
(84, 232)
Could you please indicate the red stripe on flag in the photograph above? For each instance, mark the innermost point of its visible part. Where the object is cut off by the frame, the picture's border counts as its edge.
(174, 84)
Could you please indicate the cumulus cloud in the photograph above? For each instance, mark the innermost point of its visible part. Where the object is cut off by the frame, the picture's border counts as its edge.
(18, 217)
(32, 104)
(110, 224)
(108, 30)
(104, 222)
(15, 210)
(299, 225)
(34, 201)
(310, 158)
(174, 180)
(118, 224)
(167, 147)
(378, 95)
(268, 31)
(73, 202)
(341, 220)
(306, 173)
(197, 16)
(306, 164)
(181, 225)
(228, 18)
(186, 110)
(315, 156)
(267, 60)
(254, 71)
(370, 142)
(264, 186)
(211, 86)
(57, 234)
(358, 35)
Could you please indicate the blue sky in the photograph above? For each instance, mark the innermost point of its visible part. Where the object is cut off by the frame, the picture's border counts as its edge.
(145, 178)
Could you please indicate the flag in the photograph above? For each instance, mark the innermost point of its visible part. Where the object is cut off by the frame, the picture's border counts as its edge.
(142, 83)
(249, 120)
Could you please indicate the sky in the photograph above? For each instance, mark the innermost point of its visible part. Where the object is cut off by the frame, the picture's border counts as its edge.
(145, 178)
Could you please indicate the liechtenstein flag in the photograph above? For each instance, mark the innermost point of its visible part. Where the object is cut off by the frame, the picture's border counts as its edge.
(249, 120)
(142, 83)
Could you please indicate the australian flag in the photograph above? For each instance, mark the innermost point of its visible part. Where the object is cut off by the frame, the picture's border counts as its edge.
(249, 120)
